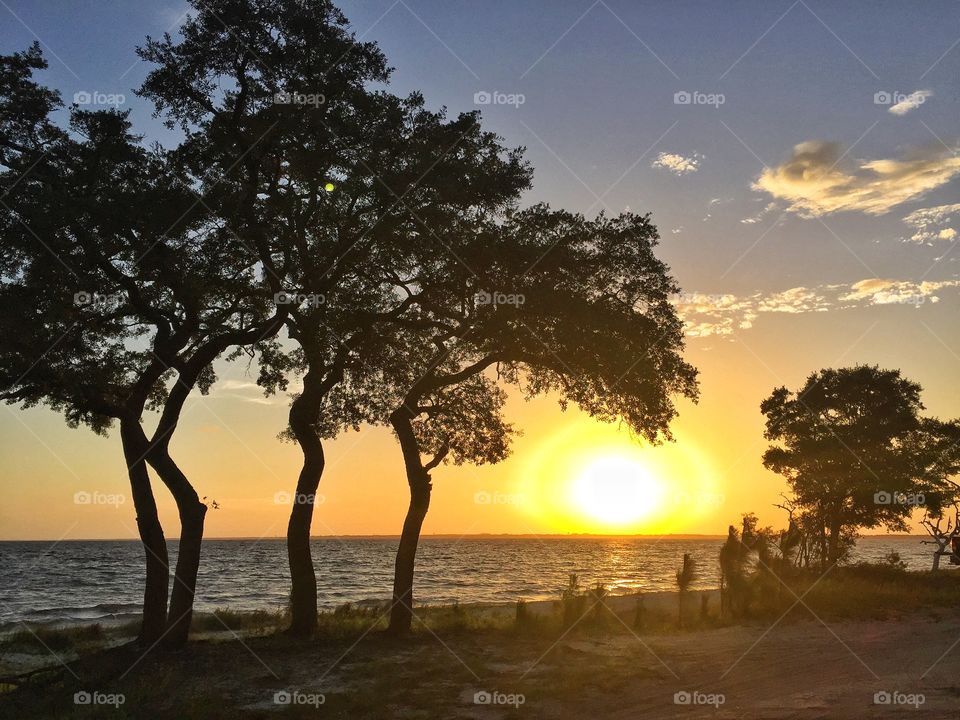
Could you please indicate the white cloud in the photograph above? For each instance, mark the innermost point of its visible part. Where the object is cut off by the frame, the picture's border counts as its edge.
(910, 102)
(753, 219)
(813, 182)
(929, 223)
(677, 164)
(723, 314)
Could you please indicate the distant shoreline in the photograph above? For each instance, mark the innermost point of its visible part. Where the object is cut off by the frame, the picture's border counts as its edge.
(450, 536)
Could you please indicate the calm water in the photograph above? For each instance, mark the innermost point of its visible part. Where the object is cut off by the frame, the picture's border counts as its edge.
(87, 580)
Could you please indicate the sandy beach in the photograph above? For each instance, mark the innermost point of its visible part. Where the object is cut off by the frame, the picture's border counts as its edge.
(795, 668)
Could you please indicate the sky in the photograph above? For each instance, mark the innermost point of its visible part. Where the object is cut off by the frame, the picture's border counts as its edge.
(800, 160)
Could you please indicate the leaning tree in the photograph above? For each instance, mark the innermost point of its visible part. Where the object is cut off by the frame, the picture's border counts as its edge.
(545, 301)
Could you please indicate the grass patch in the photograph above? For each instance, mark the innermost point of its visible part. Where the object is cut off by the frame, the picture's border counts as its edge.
(54, 638)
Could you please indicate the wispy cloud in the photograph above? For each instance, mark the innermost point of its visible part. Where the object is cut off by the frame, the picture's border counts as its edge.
(930, 224)
(910, 102)
(813, 182)
(753, 219)
(677, 164)
(242, 390)
(706, 315)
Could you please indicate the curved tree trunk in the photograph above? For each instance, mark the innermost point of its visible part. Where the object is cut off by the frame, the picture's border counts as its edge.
(151, 534)
(303, 590)
(401, 611)
(192, 514)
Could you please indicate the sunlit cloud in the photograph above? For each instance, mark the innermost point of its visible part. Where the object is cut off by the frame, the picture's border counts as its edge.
(910, 102)
(753, 219)
(677, 164)
(815, 181)
(930, 224)
(706, 315)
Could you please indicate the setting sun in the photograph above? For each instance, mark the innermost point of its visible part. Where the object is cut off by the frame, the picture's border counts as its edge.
(594, 478)
(616, 491)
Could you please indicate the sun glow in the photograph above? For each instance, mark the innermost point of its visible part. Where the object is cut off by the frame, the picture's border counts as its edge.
(616, 491)
(594, 478)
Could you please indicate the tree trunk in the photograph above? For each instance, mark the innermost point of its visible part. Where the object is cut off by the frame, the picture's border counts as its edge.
(418, 479)
(401, 612)
(304, 413)
(303, 578)
(192, 514)
(151, 534)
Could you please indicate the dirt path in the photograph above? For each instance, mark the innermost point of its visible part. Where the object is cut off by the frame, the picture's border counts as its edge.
(798, 670)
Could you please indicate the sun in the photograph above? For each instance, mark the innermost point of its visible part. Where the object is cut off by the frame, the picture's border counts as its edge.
(616, 491)
(587, 477)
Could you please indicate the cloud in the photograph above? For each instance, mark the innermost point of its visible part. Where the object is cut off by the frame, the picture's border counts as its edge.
(814, 184)
(242, 390)
(928, 223)
(910, 102)
(879, 291)
(677, 164)
(753, 219)
(707, 315)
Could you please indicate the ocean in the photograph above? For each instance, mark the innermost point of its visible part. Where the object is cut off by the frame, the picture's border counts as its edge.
(72, 581)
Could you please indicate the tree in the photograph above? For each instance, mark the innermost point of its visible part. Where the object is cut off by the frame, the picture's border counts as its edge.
(543, 300)
(855, 451)
(685, 577)
(125, 285)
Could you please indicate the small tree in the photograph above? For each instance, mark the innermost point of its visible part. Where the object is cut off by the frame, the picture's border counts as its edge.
(685, 577)
(853, 448)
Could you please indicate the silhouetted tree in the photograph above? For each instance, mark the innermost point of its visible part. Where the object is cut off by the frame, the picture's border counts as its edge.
(128, 292)
(685, 577)
(855, 452)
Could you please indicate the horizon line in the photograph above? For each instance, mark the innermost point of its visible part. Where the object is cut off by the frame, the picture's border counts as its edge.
(374, 536)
